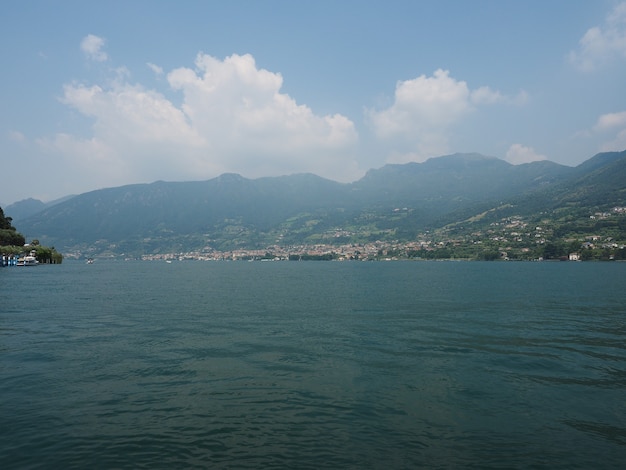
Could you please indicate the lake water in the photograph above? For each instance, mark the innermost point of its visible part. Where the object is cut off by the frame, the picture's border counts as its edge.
(313, 365)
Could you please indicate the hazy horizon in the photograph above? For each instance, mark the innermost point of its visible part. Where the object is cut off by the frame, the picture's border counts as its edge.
(222, 174)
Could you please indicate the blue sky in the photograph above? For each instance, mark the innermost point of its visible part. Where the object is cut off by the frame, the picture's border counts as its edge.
(101, 94)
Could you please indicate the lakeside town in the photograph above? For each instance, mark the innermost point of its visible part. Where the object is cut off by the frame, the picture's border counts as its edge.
(511, 238)
(597, 236)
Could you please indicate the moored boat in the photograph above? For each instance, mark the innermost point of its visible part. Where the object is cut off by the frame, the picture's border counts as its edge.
(27, 261)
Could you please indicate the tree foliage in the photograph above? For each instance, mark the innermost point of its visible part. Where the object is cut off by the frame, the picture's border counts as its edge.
(5, 222)
(8, 234)
(12, 243)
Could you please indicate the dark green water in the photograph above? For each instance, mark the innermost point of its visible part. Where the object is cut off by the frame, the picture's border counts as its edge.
(313, 365)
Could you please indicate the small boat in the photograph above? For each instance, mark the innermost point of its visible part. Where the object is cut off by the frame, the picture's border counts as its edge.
(27, 261)
(89, 260)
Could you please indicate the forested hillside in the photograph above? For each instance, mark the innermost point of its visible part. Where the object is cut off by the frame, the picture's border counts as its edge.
(393, 204)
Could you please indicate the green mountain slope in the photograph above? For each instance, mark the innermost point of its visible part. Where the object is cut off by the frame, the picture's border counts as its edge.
(166, 210)
(394, 202)
(601, 184)
(23, 209)
(457, 178)
(597, 184)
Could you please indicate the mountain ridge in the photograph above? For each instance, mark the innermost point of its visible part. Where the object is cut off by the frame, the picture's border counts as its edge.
(233, 211)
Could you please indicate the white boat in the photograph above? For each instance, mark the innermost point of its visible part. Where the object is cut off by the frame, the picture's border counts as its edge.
(27, 261)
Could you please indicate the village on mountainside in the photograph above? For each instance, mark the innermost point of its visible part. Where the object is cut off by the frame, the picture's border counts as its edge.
(493, 211)
(510, 238)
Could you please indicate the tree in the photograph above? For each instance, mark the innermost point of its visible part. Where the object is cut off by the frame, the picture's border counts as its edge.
(8, 234)
(489, 255)
(5, 222)
(11, 238)
(553, 250)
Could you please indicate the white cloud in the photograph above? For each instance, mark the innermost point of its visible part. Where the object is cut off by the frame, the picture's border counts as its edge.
(485, 95)
(601, 44)
(422, 103)
(617, 144)
(86, 153)
(611, 127)
(239, 109)
(424, 110)
(16, 136)
(92, 47)
(518, 154)
(233, 118)
(155, 68)
(610, 121)
(131, 113)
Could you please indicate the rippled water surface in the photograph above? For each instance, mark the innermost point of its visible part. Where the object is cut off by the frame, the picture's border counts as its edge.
(313, 365)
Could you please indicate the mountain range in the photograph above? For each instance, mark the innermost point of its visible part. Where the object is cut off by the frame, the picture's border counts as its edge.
(393, 202)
